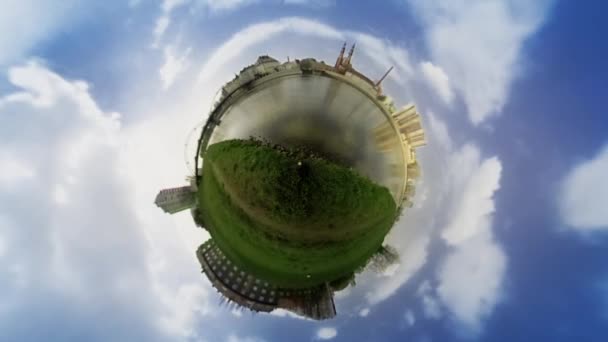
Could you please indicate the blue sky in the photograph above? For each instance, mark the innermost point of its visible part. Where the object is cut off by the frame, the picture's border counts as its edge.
(508, 238)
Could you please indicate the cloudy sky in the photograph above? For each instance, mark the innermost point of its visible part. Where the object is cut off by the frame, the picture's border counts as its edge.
(507, 241)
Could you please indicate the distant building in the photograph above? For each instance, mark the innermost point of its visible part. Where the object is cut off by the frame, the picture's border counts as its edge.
(176, 199)
(247, 290)
(408, 123)
(413, 170)
(317, 303)
(410, 126)
(410, 190)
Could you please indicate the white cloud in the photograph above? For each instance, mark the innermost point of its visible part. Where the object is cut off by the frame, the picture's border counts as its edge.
(478, 44)
(94, 240)
(258, 33)
(162, 23)
(213, 6)
(386, 54)
(326, 333)
(173, 66)
(364, 312)
(584, 194)
(471, 275)
(462, 189)
(430, 306)
(164, 20)
(288, 314)
(471, 214)
(169, 5)
(471, 279)
(49, 17)
(227, 5)
(409, 318)
(74, 262)
(463, 185)
(184, 307)
(343, 294)
(13, 170)
(60, 195)
(438, 80)
(379, 53)
(413, 253)
(438, 132)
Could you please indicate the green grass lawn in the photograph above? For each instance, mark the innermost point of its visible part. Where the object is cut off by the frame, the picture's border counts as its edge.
(288, 216)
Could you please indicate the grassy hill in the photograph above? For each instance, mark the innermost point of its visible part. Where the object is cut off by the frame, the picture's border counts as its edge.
(289, 216)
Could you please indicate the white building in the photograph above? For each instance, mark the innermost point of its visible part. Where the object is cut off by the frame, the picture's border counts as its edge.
(176, 199)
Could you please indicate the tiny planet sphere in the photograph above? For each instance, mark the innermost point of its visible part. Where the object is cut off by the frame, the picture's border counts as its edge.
(301, 170)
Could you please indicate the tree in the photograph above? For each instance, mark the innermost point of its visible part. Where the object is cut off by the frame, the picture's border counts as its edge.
(384, 257)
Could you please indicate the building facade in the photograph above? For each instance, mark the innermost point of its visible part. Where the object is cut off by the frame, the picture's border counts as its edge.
(246, 290)
(176, 199)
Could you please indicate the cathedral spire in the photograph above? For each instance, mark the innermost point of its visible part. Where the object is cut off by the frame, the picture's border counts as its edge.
(340, 58)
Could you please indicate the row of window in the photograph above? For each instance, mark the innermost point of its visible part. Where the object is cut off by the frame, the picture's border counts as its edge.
(237, 280)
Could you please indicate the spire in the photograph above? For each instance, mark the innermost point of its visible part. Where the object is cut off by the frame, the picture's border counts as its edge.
(350, 55)
(352, 50)
(384, 76)
(340, 56)
(378, 85)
